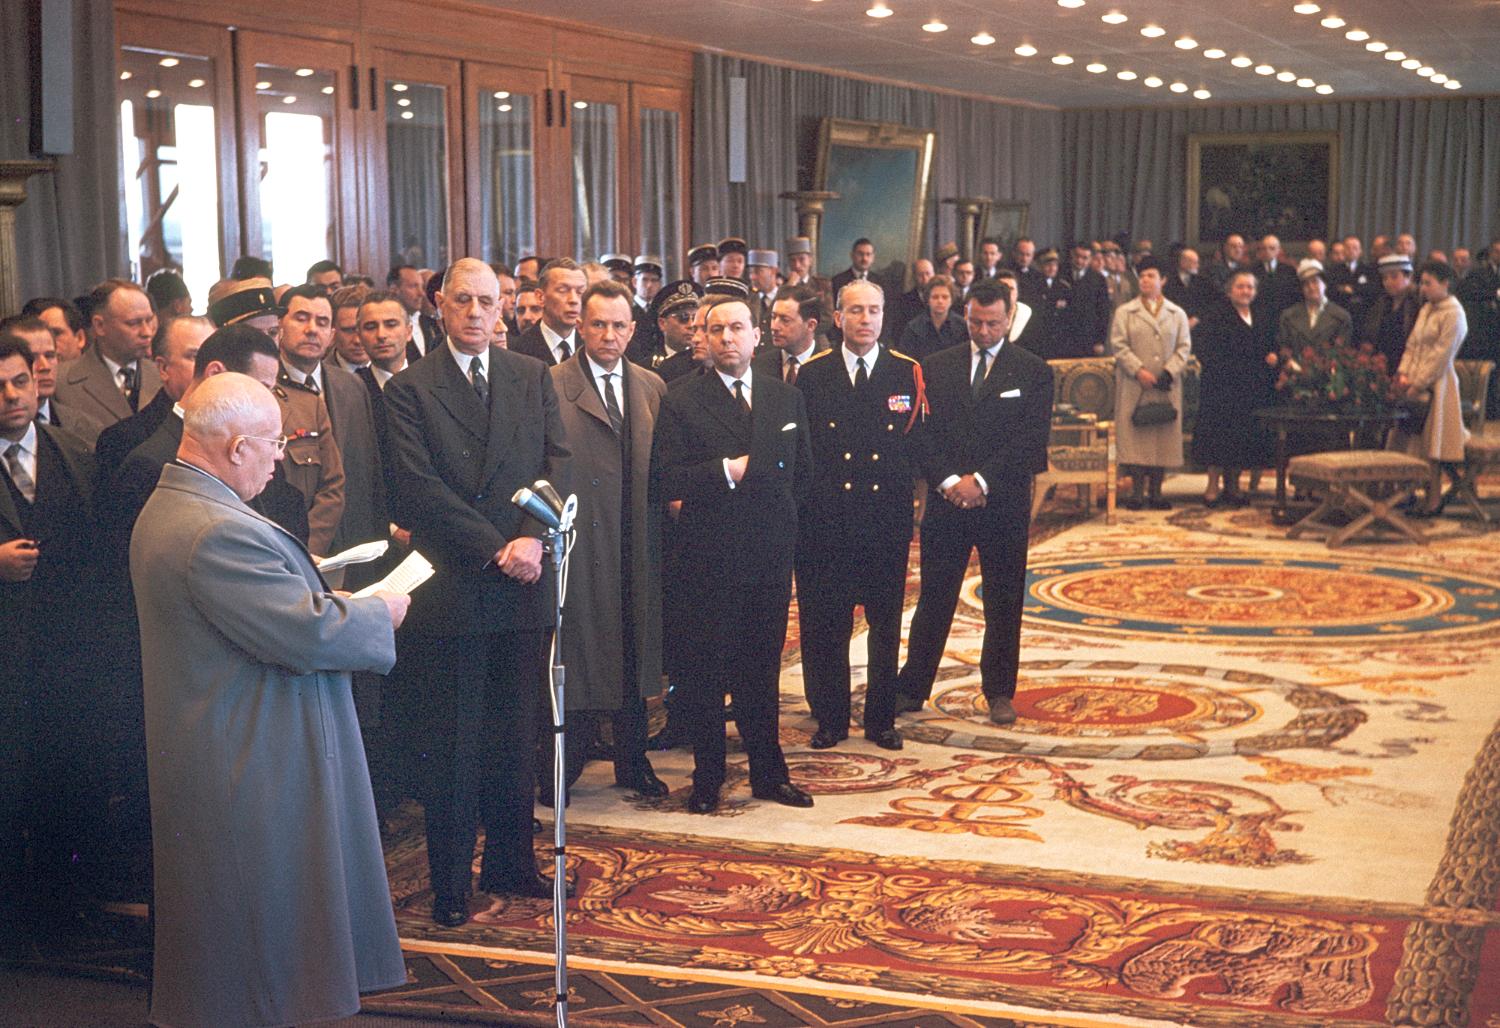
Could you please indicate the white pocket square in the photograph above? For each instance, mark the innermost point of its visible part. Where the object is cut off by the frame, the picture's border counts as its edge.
(789, 426)
(1010, 394)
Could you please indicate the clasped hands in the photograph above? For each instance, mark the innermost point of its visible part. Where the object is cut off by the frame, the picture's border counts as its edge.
(521, 559)
(965, 493)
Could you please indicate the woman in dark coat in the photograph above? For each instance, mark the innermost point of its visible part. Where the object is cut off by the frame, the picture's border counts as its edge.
(1236, 345)
(936, 328)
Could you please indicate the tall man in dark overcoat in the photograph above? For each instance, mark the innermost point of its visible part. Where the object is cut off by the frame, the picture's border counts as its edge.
(471, 423)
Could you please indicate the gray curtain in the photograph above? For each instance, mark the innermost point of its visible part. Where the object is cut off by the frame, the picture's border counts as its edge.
(417, 168)
(999, 150)
(70, 232)
(661, 207)
(507, 178)
(1429, 167)
(596, 151)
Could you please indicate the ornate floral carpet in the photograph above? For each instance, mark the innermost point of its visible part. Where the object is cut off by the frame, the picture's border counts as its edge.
(1255, 782)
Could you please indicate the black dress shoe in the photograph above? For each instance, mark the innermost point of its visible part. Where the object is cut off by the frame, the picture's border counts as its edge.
(908, 704)
(885, 738)
(785, 793)
(1002, 711)
(643, 780)
(703, 801)
(1132, 503)
(1157, 503)
(449, 912)
(532, 886)
(827, 738)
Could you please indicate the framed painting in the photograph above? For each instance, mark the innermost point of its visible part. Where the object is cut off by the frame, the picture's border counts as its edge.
(882, 174)
(1005, 220)
(1281, 183)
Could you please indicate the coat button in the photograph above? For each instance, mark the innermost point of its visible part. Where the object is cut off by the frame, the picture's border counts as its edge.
(596, 481)
(480, 498)
(466, 453)
(596, 525)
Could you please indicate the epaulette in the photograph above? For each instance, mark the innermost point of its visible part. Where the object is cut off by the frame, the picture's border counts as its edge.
(820, 353)
(902, 356)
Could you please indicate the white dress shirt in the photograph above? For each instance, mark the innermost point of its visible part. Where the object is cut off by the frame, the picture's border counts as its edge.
(301, 378)
(27, 456)
(116, 369)
(553, 341)
(613, 382)
(851, 360)
(464, 360)
(729, 381)
(990, 354)
(801, 358)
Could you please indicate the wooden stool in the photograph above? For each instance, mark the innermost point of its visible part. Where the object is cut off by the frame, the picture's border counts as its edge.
(1367, 485)
(1481, 453)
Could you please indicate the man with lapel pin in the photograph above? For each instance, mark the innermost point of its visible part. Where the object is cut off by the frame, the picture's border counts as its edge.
(612, 622)
(864, 405)
(470, 424)
(555, 338)
(986, 436)
(733, 447)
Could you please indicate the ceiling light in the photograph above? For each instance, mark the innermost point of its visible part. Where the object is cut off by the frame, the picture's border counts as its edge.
(1426, 72)
(1411, 64)
(263, 86)
(1152, 31)
(195, 83)
(1439, 78)
(403, 102)
(1306, 83)
(1126, 76)
(1025, 50)
(1356, 35)
(124, 76)
(982, 39)
(169, 62)
(1264, 69)
(399, 87)
(1241, 61)
(1453, 84)
(1178, 87)
(503, 108)
(1376, 46)
(1201, 94)
(1062, 59)
(934, 26)
(289, 99)
(880, 11)
(1097, 68)
(580, 105)
(407, 115)
(1153, 81)
(1325, 89)
(1186, 43)
(503, 94)
(1333, 21)
(1286, 76)
(1395, 55)
(152, 94)
(303, 73)
(1213, 53)
(1306, 8)
(1114, 18)
(327, 90)
(1070, 3)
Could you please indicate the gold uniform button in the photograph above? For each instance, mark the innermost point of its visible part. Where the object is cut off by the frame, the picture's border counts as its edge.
(848, 486)
(833, 424)
(875, 488)
(848, 456)
(874, 456)
(888, 428)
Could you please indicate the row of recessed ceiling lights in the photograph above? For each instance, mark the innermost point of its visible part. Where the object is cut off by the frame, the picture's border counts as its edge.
(1375, 46)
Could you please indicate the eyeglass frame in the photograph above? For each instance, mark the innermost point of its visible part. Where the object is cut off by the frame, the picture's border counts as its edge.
(280, 441)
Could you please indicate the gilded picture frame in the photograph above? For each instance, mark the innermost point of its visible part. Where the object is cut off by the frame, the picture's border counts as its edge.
(1255, 183)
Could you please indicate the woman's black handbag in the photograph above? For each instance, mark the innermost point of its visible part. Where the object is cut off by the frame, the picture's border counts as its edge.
(1152, 412)
(1416, 415)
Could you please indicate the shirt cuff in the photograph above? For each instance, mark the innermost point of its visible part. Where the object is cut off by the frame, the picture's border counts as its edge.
(984, 486)
(947, 483)
(727, 476)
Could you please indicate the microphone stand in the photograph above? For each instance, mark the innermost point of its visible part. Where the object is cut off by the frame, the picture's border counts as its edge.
(556, 542)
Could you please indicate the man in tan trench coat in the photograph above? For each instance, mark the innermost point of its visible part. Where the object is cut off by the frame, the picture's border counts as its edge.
(612, 617)
(272, 906)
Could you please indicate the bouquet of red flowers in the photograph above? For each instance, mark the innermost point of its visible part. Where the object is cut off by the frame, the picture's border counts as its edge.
(1340, 378)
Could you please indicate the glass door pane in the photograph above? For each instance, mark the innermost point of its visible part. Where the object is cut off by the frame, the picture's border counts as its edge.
(169, 135)
(595, 176)
(507, 175)
(660, 203)
(416, 134)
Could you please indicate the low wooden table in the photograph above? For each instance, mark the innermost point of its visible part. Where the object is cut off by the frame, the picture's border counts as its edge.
(1367, 486)
(1350, 428)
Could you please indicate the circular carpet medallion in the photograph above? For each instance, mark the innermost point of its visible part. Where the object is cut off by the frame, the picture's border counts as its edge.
(1251, 598)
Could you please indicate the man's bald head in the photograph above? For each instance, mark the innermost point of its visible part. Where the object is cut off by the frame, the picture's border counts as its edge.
(231, 428)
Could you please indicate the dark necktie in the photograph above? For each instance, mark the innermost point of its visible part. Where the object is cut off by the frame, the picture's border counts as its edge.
(311, 384)
(739, 394)
(791, 371)
(612, 405)
(480, 383)
(978, 382)
(565, 349)
(130, 385)
(23, 482)
(861, 376)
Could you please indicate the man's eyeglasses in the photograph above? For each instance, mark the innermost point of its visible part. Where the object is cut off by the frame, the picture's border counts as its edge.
(279, 440)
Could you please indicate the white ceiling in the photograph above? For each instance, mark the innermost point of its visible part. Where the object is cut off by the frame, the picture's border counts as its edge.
(1458, 38)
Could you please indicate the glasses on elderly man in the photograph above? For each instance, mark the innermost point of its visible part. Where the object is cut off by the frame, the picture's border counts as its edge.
(279, 440)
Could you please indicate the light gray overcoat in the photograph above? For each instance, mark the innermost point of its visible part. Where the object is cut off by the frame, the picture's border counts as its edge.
(272, 906)
(1427, 362)
(592, 620)
(1157, 344)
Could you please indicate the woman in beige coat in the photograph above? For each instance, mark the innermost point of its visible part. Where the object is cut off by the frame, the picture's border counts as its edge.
(1426, 373)
(1151, 345)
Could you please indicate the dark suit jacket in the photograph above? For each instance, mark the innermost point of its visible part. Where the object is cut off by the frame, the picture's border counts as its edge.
(457, 464)
(772, 361)
(533, 344)
(1196, 298)
(366, 511)
(1090, 312)
(1003, 438)
(1050, 326)
(115, 442)
(1278, 290)
(846, 276)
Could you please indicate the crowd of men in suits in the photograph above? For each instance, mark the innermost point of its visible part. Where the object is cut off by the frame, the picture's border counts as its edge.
(750, 425)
